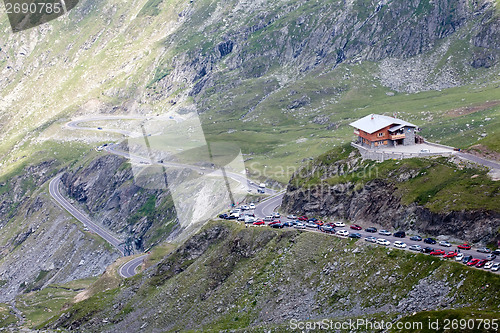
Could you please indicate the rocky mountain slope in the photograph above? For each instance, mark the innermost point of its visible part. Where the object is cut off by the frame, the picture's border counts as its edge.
(438, 197)
(254, 279)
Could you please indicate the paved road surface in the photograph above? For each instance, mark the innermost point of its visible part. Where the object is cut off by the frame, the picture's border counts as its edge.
(54, 192)
(479, 160)
(129, 269)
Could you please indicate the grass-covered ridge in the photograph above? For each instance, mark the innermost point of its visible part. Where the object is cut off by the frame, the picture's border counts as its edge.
(437, 183)
(244, 278)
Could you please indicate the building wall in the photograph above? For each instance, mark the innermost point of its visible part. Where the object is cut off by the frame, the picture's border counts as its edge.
(409, 136)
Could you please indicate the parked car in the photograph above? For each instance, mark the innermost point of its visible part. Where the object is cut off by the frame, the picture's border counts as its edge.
(484, 250)
(496, 252)
(427, 250)
(268, 218)
(416, 238)
(327, 229)
(444, 243)
(415, 247)
(311, 225)
(312, 219)
(355, 235)
(371, 229)
(355, 227)
(339, 224)
(245, 207)
(473, 262)
(450, 254)
(488, 265)
(464, 246)
(495, 267)
(437, 252)
(292, 217)
(276, 225)
(259, 222)
(274, 222)
(302, 218)
(490, 256)
(467, 259)
(276, 215)
(481, 263)
(299, 226)
(399, 244)
(252, 206)
(385, 232)
(400, 234)
(241, 218)
(430, 241)
(382, 241)
(223, 216)
(459, 257)
(342, 233)
(288, 224)
(371, 239)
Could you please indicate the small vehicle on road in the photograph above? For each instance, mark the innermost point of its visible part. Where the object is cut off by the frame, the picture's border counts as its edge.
(415, 247)
(355, 227)
(437, 252)
(473, 262)
(488, 265)
(464, 246)
(416, 238)
(292, 217)
(459, 257)
(299, 225)
(311, 225)
(427, 250)
(339, 224)
(481, 263)
(259, 222)
(385, 232)
(355, 235)
(400, 234)
(371, 239)
(382, 241)
(466, 259)
(450, 254)
(302, 218)
(371, 229)
(495, 267)
(276, 225)
(326, 228)
(444, 243)
(400, 244)
(490, 256)
(342, 233)
(251, 206)
(430, 241)
(484, 250)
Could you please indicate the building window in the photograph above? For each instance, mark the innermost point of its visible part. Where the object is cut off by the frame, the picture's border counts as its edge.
(380, 134)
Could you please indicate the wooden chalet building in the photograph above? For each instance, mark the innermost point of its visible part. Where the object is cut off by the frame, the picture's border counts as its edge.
(376, 131)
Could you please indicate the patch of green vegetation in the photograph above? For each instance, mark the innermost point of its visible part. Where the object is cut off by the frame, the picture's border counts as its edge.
(151, 8)
(6, 317)
(435, 183)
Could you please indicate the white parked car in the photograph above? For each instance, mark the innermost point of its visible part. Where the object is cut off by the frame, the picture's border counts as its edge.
(252, 206)
(342, 233)
(444, 243)
(495, 267)
(299, 226)
(385, 232)
(276, 215)
(400, 244)
(488, 265)
(339, 224)
(268, 218)
(415, 247)
(245, 207)
(292, 217)
(459, 257)
(382, 241)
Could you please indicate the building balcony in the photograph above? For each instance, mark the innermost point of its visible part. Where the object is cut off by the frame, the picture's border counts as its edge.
(397, 136)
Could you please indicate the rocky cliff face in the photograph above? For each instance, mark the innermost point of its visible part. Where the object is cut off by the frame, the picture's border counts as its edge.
(380, 200)
(39, 243)
(106, 190)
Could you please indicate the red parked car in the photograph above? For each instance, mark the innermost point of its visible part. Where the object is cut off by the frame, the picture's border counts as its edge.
(450, 254)
(274, 222)
(464, 247)
(356, 227)
(302, 218)
(437, 252)
(259, 222)
(473, 262)
(481, 263)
